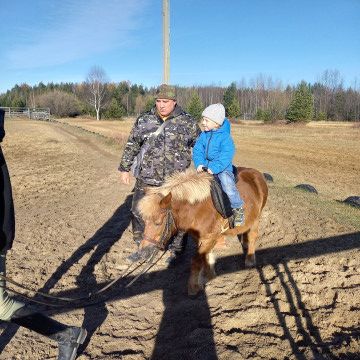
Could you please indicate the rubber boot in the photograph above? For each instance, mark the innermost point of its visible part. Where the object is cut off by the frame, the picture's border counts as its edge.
(68, 337)
(176, 248)
(137, 229)
(137, 222)
(138, 234)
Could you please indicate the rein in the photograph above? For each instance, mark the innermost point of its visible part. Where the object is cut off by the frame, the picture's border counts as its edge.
(66, 299)
(74, 301)
(160, 245)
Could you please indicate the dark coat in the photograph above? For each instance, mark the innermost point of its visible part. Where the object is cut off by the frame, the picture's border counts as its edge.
(7, 218)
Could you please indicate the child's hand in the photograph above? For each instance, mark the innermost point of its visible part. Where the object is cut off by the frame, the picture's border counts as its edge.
(200, 168)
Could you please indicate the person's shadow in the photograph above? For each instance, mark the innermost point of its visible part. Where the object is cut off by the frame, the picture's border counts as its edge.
(104, 238)
(185, 331)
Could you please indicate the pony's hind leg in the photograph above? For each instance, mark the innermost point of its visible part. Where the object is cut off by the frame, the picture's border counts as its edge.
(243, 238)
(248, 241)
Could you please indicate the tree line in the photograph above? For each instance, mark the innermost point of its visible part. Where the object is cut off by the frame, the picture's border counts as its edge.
(261, 98)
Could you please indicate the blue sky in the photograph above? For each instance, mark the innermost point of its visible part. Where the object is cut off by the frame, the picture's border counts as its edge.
(212, 41)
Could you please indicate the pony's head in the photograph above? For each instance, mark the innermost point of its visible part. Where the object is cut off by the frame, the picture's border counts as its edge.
(156, 207)
(159, 221)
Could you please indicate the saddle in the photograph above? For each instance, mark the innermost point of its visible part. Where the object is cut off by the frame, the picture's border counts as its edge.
(221, 200)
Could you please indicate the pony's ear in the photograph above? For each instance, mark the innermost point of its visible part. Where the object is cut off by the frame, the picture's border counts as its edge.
(165, 201)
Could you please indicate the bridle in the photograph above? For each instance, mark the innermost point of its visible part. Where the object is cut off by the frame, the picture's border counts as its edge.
(169, 228)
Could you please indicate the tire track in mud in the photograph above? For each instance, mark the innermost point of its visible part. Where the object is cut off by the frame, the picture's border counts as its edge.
(88, 140)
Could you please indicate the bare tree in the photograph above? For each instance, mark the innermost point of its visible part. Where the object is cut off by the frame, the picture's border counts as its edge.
(96, 89)
(60, 103)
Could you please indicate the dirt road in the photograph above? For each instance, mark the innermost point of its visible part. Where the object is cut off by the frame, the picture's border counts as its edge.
(301, 302)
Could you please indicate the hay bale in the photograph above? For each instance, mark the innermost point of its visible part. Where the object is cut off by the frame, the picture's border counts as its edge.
(268, 177)
(307, 187)
(353, 201)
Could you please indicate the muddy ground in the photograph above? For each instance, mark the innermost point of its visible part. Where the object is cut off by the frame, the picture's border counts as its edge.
(302, 301)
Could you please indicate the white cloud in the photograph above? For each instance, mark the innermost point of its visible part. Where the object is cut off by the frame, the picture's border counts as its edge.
(77, 29)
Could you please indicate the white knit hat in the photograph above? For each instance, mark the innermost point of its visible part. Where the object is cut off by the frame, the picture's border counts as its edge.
(215, 112)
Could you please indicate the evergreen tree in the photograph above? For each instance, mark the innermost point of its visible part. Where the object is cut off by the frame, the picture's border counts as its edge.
(18, 101)
(231, 103)
(302, 105)
(195, 106)
(115, 110)
(233, 110)
(150, 103)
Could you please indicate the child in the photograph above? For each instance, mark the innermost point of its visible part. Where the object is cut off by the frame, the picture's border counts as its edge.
(214, 151)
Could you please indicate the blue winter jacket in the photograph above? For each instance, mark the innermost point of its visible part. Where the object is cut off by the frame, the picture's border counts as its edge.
(215, 149)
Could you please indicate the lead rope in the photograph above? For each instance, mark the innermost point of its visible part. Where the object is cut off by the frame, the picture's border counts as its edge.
(169, 222)
(154, 253)
(66, 299)
(90, 295)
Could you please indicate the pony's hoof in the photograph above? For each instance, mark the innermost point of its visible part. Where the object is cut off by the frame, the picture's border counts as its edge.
(250, 261)
(193, 291)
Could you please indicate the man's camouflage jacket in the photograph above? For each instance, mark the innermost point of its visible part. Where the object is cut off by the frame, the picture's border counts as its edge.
(169, 152)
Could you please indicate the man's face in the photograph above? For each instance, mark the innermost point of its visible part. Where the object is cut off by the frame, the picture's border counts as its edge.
(165, 106)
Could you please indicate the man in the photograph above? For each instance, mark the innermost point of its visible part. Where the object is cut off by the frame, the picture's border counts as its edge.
(68, 337)
(166, 152)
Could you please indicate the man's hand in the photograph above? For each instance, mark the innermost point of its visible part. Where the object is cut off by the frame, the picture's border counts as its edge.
(199, 168)
(125, 177)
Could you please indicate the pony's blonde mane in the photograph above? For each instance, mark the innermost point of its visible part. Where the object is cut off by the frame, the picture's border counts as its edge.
(189, 185)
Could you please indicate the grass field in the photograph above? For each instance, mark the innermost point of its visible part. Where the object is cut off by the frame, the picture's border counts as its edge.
(323, 154)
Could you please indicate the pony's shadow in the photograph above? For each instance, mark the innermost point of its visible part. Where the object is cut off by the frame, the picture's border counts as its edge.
(185, 331)
(104, 238)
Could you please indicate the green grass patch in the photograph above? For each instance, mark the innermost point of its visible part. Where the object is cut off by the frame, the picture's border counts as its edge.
(326, 208)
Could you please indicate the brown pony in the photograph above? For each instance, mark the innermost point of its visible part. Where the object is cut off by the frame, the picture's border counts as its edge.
(184, 203)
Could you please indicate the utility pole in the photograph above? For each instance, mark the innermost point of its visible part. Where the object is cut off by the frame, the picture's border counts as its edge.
(166, 41)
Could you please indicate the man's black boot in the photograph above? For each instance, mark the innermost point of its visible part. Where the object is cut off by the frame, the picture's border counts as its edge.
(68, 337)
(69, 341)
(138, 233)
(177, 248)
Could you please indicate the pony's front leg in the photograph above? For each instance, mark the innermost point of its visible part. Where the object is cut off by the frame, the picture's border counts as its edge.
(202, 267)
(196, 267)
(209, 269)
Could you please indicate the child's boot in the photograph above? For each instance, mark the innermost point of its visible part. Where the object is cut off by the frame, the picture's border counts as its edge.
(239, 217)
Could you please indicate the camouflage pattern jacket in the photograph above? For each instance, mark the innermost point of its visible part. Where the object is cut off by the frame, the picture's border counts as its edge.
(170, 151)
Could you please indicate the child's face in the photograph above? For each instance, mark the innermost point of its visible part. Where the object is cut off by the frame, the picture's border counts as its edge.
(209, 124)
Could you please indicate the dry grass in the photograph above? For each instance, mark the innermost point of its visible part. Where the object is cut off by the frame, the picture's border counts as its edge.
(323, 154)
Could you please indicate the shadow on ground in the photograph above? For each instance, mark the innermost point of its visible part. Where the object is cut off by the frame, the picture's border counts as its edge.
(185, 327)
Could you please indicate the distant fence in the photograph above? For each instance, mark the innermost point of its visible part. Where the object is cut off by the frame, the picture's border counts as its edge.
(248, 116)
(35, 113)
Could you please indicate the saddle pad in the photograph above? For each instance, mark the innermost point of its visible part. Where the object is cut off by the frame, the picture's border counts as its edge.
(221, 201)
